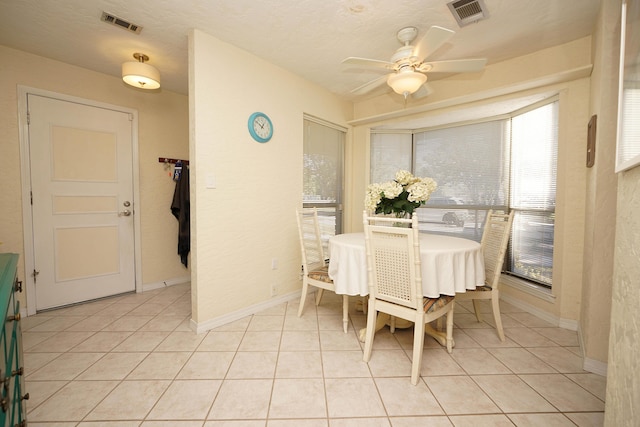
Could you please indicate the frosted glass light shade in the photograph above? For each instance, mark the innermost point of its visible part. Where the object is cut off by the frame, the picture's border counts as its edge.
(141, 75)
(405, 83)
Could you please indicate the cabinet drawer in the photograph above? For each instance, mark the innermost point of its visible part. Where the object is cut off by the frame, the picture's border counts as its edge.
(12, 411)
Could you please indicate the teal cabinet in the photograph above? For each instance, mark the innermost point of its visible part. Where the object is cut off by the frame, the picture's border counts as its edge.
(12, 407)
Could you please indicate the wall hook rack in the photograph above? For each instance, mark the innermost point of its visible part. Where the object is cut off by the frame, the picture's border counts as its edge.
(172, 161)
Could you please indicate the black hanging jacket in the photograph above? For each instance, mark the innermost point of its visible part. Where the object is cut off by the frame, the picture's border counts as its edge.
(180, 207)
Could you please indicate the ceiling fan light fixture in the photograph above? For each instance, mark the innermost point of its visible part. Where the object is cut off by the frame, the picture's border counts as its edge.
(139, 74)
(406, 82)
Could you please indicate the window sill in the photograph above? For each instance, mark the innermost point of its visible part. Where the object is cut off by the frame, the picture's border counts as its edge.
(528, 287)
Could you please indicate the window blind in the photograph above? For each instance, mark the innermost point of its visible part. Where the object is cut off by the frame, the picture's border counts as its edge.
(629, 131)
(389, 154)
(468, 162)
(534, 164)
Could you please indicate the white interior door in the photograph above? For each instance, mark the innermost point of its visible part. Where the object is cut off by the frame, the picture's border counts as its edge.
(82, 201)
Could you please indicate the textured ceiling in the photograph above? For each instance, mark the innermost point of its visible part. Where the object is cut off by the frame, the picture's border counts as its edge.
(308, 37)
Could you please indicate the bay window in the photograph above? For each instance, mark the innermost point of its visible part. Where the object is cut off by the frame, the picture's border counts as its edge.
(505, 163)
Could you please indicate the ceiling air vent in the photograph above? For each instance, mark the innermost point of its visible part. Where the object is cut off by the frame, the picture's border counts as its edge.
(468, 11)
(119, 22)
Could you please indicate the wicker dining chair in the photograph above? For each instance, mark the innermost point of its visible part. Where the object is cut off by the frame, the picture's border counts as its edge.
(395, 283)
(495, 239)
(315, 270)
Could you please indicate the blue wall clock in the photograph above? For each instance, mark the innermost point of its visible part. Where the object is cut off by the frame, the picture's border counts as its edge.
(260, 127)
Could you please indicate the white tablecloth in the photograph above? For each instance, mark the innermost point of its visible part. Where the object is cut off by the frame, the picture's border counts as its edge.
(449, 265)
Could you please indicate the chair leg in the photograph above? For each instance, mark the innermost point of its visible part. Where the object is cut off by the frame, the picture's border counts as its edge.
(495, 305)
(476, 308)
(418, 345)
(345, 313)
(392, 324)
(370, 332)
(319, 294)
(303, 297)
(450, 329)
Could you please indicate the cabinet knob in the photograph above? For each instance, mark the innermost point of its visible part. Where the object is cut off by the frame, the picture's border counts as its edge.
(15, 317)
(18, 371)
(25, 397)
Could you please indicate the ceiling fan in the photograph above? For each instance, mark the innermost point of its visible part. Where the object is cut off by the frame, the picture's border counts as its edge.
(409, 64)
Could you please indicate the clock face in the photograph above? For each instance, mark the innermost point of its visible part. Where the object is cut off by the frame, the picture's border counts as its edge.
(260, 127)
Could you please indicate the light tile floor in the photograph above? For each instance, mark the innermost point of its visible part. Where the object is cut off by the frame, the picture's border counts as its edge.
(132, 360)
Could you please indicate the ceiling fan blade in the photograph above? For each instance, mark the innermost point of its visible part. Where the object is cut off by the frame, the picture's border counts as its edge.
(424, 91)
(368, 63)
(369, 86)
(454, 66)
(432, 40)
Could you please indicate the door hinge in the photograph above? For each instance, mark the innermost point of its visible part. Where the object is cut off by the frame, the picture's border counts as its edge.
(31, 197)
(28, 117)
(35, 275)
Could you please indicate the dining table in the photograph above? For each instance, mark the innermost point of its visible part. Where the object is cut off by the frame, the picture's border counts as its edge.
(449, 265)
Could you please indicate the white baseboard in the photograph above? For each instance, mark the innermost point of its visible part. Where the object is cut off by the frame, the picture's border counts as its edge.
(157, 285)
(548, 317)
(247, 311)
(590, 365)
(595, 366)
(572, 325)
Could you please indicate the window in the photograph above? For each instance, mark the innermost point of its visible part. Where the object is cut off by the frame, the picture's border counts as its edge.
(469, 164)
(323, 153)
(392, 153)
(534, 149)
(502, 164)
(628, 141)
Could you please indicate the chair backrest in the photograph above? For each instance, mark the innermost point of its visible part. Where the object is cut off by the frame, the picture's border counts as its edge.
(495, 238)
(393, 260)
(310, 239)
(327, 224)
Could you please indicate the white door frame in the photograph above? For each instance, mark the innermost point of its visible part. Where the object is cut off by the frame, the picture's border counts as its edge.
(25, 177)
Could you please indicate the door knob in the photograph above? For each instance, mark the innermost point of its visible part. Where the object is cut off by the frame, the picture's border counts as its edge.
(127, 204)
(125, 212)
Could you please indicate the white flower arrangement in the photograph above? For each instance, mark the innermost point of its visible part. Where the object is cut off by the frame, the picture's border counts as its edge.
(401, 196)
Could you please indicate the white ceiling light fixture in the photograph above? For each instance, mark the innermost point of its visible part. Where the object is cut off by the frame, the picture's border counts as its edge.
(409, 65)
(139, 74)
(406, 81)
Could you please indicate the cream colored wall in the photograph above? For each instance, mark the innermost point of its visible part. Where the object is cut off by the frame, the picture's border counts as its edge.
(570, 199)
(248, 220)
(358, 178)
(163, 132)
(560, 70)
(623, 392)
(601, 189)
